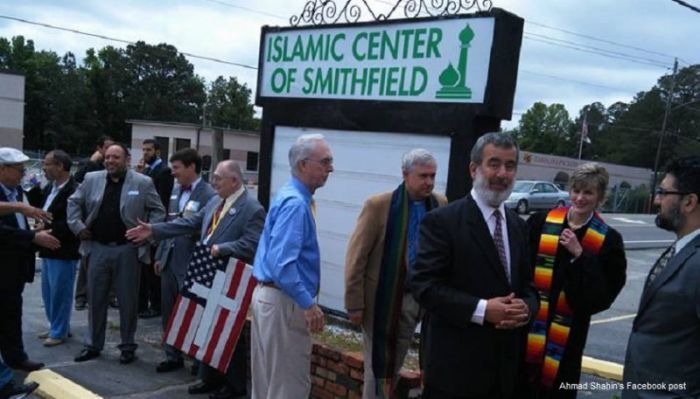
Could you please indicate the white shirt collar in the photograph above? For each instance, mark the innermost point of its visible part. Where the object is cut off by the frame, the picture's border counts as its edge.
(682, 242)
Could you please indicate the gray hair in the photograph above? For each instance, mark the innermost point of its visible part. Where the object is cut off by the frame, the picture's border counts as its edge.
(302, 148)
(416, 156)
(498, 139)
(233, 168)
(592, 175)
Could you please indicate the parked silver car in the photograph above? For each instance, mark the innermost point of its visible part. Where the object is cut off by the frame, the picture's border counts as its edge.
(531, 195)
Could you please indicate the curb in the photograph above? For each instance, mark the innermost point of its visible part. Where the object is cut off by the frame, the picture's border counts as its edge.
(602, 368)
(54, 386)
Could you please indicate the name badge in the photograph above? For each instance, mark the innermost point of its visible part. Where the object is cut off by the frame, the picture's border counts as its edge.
(173, 197)
(134, 192)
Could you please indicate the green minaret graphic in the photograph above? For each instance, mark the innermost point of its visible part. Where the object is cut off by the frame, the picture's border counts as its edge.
(454, 81)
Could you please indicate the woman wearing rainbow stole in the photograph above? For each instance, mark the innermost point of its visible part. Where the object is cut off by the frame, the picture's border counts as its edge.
(579, 271)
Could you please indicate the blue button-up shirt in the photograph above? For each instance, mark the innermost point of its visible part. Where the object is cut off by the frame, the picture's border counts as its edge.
(288, 252)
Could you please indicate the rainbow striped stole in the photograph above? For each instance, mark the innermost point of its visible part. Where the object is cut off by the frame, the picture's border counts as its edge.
(390, 290)
(544, 347)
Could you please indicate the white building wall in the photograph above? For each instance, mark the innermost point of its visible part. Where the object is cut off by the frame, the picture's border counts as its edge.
(11, 110)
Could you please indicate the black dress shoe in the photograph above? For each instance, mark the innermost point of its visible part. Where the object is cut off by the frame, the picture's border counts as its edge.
(226, 392)
(11, 389)
(87, 354)
(169, 365)
(127, 357)
(26, 365)
(202, 387)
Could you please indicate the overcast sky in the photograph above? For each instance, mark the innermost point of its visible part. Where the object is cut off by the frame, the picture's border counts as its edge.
(651, 31)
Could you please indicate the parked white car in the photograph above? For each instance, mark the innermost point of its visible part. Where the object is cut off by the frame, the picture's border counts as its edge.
(533, 195)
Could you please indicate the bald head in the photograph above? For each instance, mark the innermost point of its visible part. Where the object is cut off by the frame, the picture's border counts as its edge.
(227, 178)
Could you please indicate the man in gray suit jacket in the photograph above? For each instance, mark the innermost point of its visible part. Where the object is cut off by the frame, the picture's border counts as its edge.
(663, 353)
(190, 196)
(99, 212)
(230, 224)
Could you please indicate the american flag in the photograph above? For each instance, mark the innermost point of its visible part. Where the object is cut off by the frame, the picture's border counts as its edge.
(210, 312)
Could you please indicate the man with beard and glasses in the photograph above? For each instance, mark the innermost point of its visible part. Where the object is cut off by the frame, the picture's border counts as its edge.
(473, 276)
(663, 353)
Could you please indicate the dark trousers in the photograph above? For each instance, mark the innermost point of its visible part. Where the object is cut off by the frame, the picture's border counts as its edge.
(11, 345)
(149, 290)
(236, 375)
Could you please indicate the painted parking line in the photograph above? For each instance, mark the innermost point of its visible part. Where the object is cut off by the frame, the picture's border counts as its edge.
(613, 319)
(649, 241)
(602, 368)
(55, 386)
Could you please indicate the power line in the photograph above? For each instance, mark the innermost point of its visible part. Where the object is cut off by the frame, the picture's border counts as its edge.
(684, 4)
(598, 39)
(572, 80)
(597, 49)
(251, 10)
(604, 53)
(114, 39)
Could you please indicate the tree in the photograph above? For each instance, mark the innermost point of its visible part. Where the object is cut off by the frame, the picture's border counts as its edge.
(544, 128)
(229, 105)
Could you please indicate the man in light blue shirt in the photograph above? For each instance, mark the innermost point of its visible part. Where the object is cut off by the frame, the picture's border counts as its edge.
(287, 266)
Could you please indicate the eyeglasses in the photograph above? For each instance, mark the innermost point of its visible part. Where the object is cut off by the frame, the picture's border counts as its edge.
(326, 162)
(661, 192)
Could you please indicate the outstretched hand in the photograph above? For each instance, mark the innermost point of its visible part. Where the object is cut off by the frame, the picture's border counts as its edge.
(140, 234)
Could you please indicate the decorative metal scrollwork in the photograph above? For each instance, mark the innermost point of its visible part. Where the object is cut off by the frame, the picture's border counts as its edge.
(327, 12)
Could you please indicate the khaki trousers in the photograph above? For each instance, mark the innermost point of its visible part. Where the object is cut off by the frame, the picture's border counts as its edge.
(410, 316)
(280, 347)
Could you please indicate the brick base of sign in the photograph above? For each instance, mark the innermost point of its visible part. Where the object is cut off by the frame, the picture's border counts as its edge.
(336, 374)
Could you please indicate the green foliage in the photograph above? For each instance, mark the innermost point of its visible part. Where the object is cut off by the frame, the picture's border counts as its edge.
(627, 134)
(69, 105)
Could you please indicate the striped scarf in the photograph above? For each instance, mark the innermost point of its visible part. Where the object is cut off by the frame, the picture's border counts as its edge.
(546, 348)
(390, 290)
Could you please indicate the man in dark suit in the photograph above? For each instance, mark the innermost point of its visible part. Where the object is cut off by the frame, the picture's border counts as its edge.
(473, 278)
(189, 196)
(58, 271)
(663, 353)
(153, 166)
(230, 224)
(18, 260)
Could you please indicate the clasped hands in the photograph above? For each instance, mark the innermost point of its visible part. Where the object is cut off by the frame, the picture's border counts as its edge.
(507, 312)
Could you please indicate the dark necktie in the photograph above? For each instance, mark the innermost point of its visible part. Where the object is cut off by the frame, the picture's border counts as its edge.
(186, 188)
(500, 245)
(661, 263)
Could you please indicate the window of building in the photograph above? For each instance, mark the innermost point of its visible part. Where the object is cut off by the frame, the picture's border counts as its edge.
(164, 143)
(251, 163)
(182, 144)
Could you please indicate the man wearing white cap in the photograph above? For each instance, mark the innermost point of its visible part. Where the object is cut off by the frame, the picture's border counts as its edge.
(18, 261)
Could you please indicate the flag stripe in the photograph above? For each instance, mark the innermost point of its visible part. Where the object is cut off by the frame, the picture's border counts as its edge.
(189, 346)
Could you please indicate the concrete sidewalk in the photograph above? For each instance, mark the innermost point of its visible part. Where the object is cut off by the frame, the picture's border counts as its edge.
(104, 376)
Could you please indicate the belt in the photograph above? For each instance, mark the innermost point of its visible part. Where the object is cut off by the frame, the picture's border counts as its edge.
(113, 243)
(268, 284)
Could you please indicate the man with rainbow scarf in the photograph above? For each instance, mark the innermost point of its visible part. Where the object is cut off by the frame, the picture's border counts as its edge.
(380, 253)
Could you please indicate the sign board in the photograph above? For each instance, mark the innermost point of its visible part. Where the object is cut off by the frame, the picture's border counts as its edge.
(422, 61)
(360, 171)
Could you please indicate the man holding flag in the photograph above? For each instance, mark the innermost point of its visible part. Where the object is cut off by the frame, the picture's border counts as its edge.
(230, 226)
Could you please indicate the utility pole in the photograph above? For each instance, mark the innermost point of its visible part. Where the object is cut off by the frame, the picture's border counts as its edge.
(663, 131)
